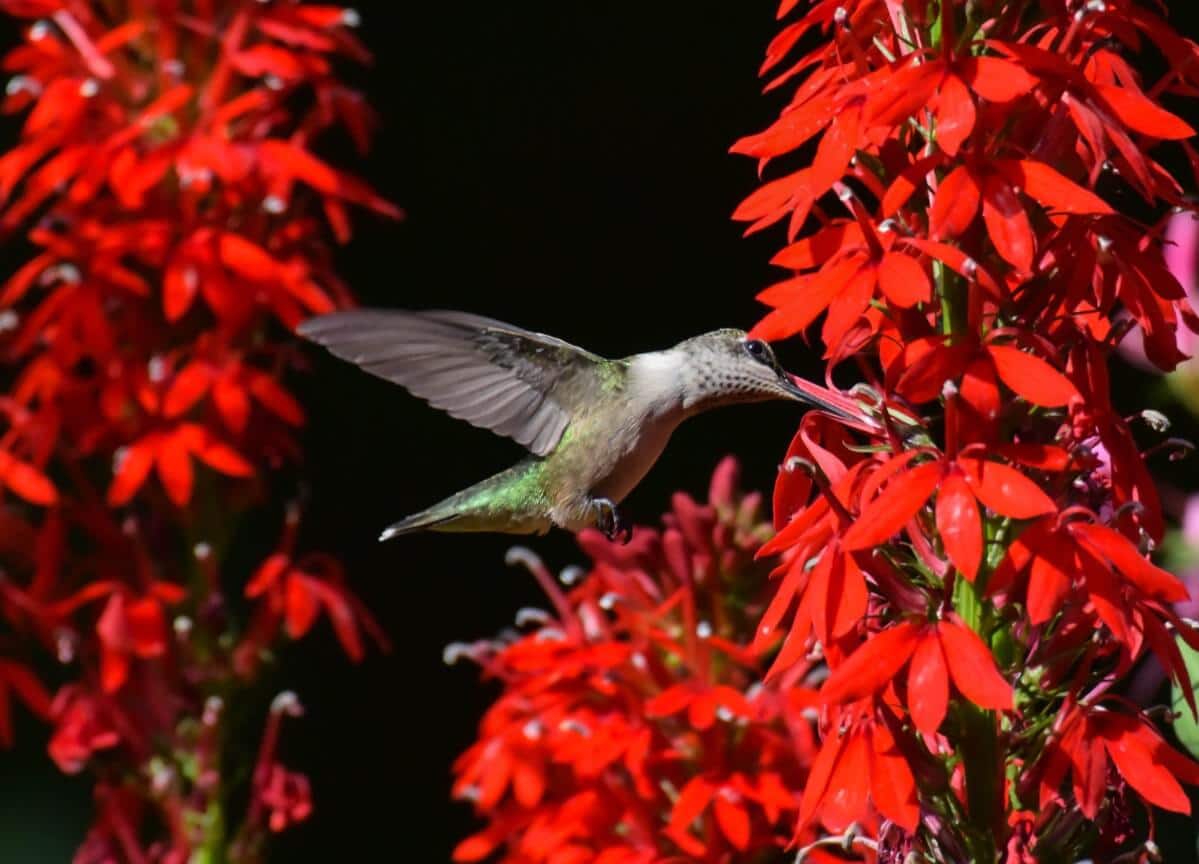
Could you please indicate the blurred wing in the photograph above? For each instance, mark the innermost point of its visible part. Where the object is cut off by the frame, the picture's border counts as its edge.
(524, 385)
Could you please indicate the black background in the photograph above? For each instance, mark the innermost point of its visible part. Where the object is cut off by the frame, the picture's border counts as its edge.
(564, 167)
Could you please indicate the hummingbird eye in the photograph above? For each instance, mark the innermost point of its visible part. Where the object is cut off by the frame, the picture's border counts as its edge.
(758, 350)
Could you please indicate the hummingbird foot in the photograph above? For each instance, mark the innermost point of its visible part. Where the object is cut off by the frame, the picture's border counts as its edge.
(609, 523)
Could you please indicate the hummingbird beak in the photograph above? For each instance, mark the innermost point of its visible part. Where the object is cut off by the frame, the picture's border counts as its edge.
(840, 406)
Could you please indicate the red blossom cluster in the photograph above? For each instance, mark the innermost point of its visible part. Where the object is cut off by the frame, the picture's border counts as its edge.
(978, 579)
(178, 227)
(633, 726)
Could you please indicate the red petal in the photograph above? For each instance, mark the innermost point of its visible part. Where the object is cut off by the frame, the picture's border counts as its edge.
(267, 574)
(1145, 773)
(179, 286)
(871, 668)
(232, 402)
(672, 700)
(276, 400)
(133, 468)
(812, 252)
(797, 315)
(248, 259)
(906, 92)
(341, 616)
(926, 375)
(836, 148)
(892, 785)
(928, 685)
(1005, 490)
(175, 469)
(187, 388)
(733, 820)
(476, 847)
(690, 804)
(817, 783)
(1118, 549)
(956, 204)
(528, 783)
(847, 595)
(973, 668)
(298, 162)
(906, 184)
(903, 280)
(791, 130)
(889, 512)
(223, 458)
(114, 670)
(1043, 457)
(1030, 377)
(955, 114)
(1052, 190)
(996, 79)
(147, 628)
(1007, 223)
(26, 481)
(957, 261)
(302, 605)
(1048, 584)
(959, 524)
(1141, 114)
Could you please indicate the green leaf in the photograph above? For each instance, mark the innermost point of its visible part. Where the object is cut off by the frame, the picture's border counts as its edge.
(1186, 726)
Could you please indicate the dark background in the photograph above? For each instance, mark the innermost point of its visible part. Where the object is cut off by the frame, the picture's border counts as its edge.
(564, 167)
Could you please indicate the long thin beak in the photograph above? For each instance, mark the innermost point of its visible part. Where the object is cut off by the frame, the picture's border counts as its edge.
(840, 406)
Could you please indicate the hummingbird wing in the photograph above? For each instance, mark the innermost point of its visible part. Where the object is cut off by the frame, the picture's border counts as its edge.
(517, 383)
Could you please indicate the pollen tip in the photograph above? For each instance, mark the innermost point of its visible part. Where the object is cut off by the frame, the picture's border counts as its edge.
(454, 652)
(287, 702)
(522, 555)
(531, 615)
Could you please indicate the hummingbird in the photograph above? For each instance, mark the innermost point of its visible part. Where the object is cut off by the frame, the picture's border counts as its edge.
(593, 426)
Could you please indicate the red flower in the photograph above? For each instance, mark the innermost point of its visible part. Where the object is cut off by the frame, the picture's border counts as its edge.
(859, 762)
(991, 532)
(180, 222)
(81, 727)
(627, 729)
(288, 797)
(1088, 739)
(298, 595)
(170, 453)
(938, 653)
(960, 484)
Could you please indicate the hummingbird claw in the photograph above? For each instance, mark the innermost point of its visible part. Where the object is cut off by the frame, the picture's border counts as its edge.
(610, 524)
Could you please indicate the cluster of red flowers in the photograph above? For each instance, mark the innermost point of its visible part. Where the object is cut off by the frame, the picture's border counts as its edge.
(978, 579)
(633, 726)
(164, 176)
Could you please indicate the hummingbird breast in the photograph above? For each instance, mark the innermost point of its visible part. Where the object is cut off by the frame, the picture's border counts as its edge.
(606, 453)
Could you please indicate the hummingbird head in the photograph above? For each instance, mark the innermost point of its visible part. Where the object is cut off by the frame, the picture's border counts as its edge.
(726, 366)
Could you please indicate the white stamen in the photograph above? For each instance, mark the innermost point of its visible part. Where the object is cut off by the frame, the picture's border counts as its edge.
(531, 615)
(287, 702)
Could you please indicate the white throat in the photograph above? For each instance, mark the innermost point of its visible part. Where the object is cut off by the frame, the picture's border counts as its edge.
(659, 378)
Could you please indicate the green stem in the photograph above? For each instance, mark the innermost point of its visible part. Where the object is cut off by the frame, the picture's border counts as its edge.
(979, 746)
